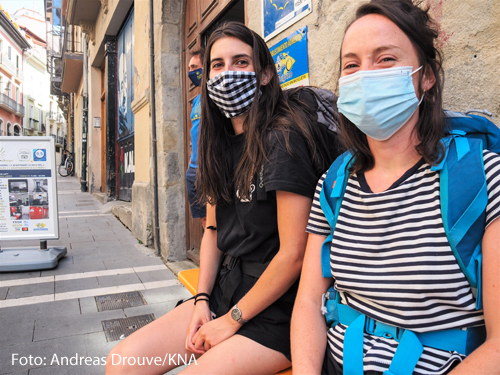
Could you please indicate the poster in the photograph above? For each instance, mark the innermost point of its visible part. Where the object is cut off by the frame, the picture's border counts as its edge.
(28, 193)
(278, 15)
(290, 58)
(126, 79)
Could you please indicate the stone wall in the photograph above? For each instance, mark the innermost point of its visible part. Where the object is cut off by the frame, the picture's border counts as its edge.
(469, 38)
(170, 129)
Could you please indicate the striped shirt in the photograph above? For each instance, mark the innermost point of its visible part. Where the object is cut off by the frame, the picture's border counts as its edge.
(391, 260)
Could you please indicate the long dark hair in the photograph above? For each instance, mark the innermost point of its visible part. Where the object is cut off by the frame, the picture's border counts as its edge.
(421, 29)
(272, 111)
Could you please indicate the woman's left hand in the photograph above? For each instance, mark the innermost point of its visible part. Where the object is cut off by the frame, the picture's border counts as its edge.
(214, 332)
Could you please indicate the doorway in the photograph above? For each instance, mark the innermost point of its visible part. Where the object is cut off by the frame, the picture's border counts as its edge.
(201, 18)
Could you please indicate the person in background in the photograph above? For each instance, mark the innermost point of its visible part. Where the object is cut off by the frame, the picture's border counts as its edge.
(195, 67)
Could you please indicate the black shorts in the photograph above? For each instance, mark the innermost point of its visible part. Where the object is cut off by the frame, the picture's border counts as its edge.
(197, 210)
(271, 327)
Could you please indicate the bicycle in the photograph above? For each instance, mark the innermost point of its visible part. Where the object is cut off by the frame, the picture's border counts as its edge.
(67, 167)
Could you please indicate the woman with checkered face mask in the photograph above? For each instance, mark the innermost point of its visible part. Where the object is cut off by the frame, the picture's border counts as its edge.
(258, 167)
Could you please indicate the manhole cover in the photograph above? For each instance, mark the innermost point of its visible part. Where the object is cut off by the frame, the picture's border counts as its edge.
(118, 329)
(119, 301)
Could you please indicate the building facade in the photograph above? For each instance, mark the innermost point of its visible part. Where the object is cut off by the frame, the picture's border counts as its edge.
(12, 49)
(121, 133)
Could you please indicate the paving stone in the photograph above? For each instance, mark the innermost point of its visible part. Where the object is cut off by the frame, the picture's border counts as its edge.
(64, 267)
(124, 263)
(3, 292)
(124, 279)
(48, 351)
(159, 275)
(97, 345)
(105, 237)
(30, 290)
(77, 284)
(88, 305)
(21, 372)
(19, 275)
(39, 310)
(14, 331)
(48, 328)
(158, 309)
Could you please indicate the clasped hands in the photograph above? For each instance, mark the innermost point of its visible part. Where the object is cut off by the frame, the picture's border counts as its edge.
(204, 332)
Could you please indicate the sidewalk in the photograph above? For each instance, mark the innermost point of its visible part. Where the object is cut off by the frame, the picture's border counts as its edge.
(46, 316)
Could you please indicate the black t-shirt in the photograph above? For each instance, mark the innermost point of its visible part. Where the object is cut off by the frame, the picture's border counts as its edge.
(249, 229)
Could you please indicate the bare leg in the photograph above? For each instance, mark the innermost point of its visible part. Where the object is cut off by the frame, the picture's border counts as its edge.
(238, 355)
(158, 339)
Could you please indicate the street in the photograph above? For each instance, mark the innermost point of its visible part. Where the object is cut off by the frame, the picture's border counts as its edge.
(50, 321)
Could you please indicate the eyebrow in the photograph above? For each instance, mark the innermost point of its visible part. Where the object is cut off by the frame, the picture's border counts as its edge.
(234, 57)
(377, 50)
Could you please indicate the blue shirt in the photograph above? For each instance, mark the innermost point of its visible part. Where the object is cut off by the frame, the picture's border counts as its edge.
(195, 121)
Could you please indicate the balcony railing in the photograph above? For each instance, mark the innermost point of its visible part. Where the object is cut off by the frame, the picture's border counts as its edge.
(4, 60)
(20, 110)
(8, 102)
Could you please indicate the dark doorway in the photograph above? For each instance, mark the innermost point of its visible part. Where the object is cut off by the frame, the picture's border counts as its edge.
(202, 17)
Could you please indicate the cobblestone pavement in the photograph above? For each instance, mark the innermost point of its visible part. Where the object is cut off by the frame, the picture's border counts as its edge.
(51, 316)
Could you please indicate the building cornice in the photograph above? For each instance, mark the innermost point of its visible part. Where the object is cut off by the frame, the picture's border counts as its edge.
(16, 35)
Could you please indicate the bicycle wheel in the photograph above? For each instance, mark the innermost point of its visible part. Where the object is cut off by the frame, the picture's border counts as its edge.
(62, 170)
(70, 168)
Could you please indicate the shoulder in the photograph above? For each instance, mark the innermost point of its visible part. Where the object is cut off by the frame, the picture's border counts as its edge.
(491, 160)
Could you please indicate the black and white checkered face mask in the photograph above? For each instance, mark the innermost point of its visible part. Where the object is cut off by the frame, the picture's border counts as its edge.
(233, 91)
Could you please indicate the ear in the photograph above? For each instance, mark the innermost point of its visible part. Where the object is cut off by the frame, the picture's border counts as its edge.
(428, 79)
(267, 75)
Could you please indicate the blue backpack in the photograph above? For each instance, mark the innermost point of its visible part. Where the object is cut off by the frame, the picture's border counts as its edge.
(463, 208)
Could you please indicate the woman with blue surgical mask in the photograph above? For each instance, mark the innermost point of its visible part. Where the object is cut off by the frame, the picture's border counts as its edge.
(257, 171)
(398, 302)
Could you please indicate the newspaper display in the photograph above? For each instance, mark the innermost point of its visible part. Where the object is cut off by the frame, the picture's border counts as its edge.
(28, 192)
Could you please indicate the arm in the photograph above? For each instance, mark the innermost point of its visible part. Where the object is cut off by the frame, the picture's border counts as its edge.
(293, 212)
(486, 358)
(210, 257)
(308, 332)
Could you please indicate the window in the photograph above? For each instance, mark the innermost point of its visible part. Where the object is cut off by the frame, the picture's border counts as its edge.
(18, 94)
(9, 52)
(17, 61)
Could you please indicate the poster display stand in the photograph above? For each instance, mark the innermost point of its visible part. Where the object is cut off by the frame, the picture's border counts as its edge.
(28, 203)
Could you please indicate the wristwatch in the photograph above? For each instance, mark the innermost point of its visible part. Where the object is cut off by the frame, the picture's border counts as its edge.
(236, 315)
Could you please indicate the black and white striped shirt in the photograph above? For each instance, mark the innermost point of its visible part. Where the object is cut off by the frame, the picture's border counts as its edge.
(391, 260)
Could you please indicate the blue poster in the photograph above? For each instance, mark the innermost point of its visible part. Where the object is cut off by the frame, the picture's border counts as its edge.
(125, 79)
(290, 58)
(281, 14)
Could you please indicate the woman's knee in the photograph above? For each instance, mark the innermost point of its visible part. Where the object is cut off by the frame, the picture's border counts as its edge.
(117, 360)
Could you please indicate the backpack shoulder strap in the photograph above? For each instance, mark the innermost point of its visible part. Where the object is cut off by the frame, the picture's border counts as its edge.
(330, 199)
(463, 194)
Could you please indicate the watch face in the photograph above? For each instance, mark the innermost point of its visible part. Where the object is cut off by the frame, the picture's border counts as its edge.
(236, 314)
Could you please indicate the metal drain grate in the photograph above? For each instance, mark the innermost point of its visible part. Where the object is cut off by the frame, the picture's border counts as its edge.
(119, 301)
(118, 329)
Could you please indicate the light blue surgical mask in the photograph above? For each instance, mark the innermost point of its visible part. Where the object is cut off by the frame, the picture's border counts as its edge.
(379, 102)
